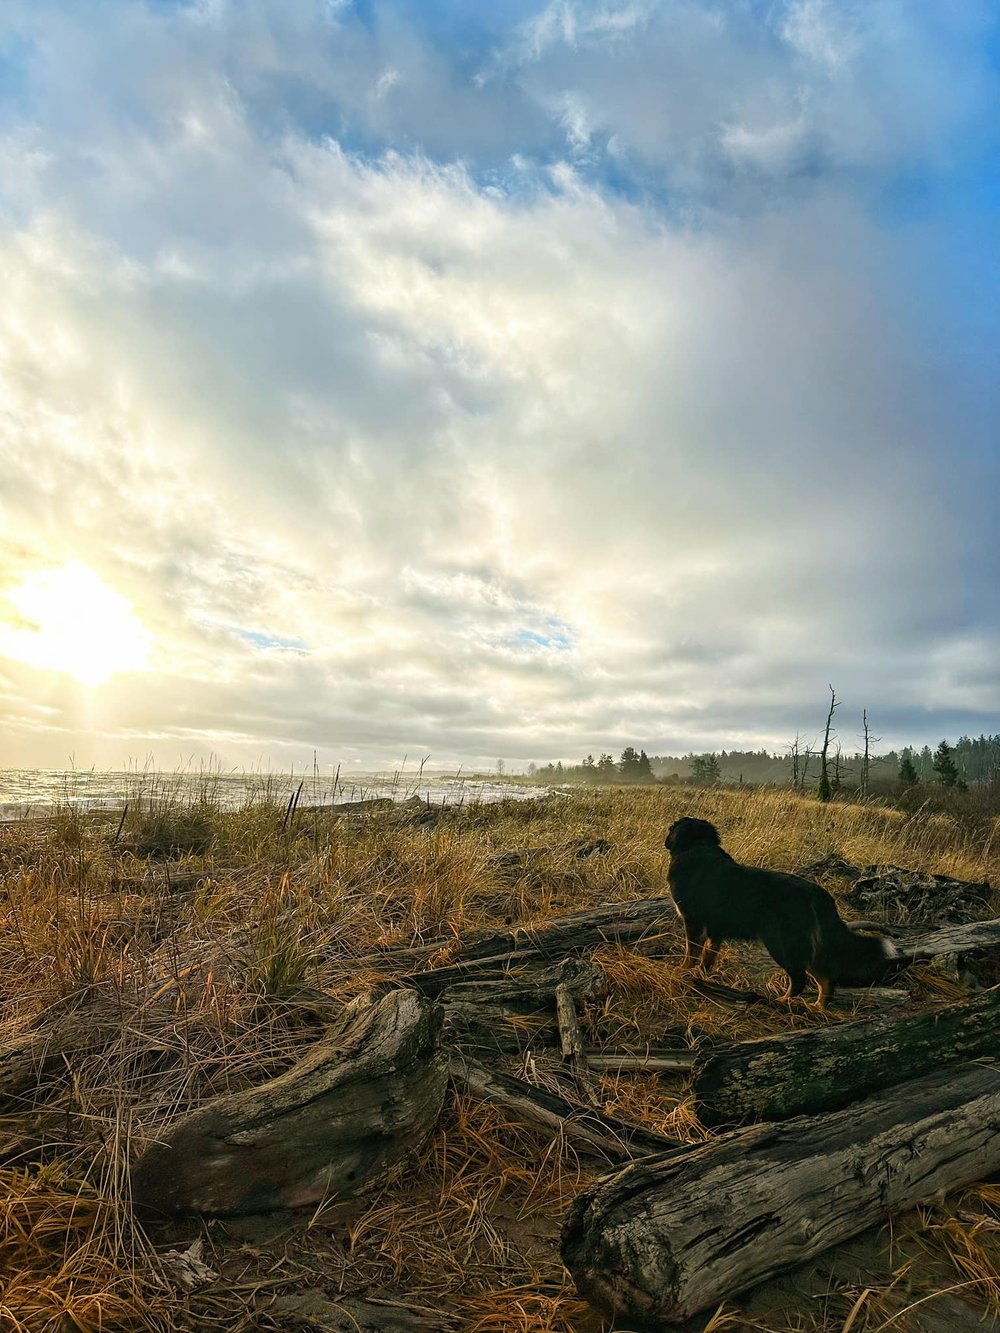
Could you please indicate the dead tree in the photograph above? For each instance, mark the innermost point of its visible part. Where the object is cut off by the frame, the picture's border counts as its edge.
(793, 754)
(823, 790)
(866, 761)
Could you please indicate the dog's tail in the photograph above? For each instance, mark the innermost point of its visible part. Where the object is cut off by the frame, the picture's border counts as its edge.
(845, 956)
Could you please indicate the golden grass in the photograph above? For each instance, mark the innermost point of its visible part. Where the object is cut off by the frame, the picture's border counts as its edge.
(216, 967)
(64, 1264)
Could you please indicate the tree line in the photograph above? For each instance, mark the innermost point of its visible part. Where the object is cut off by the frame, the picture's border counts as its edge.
(969, 762)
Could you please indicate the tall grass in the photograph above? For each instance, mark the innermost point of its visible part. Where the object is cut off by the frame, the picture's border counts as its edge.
(201, 948)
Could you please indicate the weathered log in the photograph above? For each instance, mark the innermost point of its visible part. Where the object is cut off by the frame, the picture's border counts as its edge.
(974, 939)
(653, 1062)
(495, 956)
(36, 1054)
(577, 931)
(341, 1117)
(489, 1028)
(666, 1237)
(828, 1068)
(583, 1126)
(574, 1047)
(509, 1015)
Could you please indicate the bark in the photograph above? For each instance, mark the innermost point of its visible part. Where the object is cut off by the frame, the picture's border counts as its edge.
(828, 1068)
(587, 1129)
(334, 1122)
(667, 1237)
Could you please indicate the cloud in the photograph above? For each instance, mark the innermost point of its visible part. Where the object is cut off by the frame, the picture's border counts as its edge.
(395, 443)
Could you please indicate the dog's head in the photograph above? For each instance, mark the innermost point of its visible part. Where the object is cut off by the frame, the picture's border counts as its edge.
(686, 833)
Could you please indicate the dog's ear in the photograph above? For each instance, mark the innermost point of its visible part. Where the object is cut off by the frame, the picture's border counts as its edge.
(685, 833)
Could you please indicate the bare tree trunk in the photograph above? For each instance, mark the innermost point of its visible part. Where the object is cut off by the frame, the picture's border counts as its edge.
(824, 778)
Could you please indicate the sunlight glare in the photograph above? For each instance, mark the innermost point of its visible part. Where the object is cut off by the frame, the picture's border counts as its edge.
(68, 619)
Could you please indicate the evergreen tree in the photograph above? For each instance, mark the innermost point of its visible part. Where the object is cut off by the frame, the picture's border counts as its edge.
(944, 767)
(907, 771)
(705, 769)
(629, 763)
(645, 769)
(606, 769)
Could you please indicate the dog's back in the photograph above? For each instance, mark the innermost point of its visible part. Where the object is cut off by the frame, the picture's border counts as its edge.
(796, 920)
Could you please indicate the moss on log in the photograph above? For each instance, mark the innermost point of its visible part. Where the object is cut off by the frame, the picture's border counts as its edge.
(825, 1070)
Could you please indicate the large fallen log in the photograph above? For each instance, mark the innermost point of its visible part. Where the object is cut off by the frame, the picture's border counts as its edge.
(585, 1127)
(669, 1236)
(339, 1119)
(495, 956)
(828, 1068)
(577, 931)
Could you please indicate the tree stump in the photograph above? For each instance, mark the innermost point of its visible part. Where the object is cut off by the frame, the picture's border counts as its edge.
(671, 1235)
(337, 1120)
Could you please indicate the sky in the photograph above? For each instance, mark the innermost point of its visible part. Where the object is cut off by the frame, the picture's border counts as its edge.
(495, 382)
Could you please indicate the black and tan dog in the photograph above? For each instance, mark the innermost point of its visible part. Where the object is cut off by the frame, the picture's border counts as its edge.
(796, 921)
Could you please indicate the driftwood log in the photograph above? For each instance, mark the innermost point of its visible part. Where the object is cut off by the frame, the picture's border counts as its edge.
(341, 1117)
(975, 939)
(491, 957)
(829, 1068)
(667, 1237)
(586, 1128)
(35, 1055)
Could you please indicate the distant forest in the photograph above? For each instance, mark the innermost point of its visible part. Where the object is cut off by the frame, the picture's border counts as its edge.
(976, 762)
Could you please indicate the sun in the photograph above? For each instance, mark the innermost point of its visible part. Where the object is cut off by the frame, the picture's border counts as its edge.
(68, 619)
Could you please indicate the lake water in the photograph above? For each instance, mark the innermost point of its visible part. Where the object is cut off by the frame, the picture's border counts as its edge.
(26, 792)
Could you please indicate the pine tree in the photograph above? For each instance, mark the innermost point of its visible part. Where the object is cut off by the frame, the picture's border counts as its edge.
(629, 764)
(907, 771)
(645, 768)
(705, 769)
(944, 767)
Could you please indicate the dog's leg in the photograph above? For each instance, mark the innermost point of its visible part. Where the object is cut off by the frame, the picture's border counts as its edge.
(796, 985)
(825, 987)
(694, 945)
(709, 955)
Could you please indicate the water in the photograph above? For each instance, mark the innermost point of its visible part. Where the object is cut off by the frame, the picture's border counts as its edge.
(27, 792)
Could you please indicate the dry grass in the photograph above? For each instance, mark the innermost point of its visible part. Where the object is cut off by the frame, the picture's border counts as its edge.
(204, 949)
(65, 1262)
